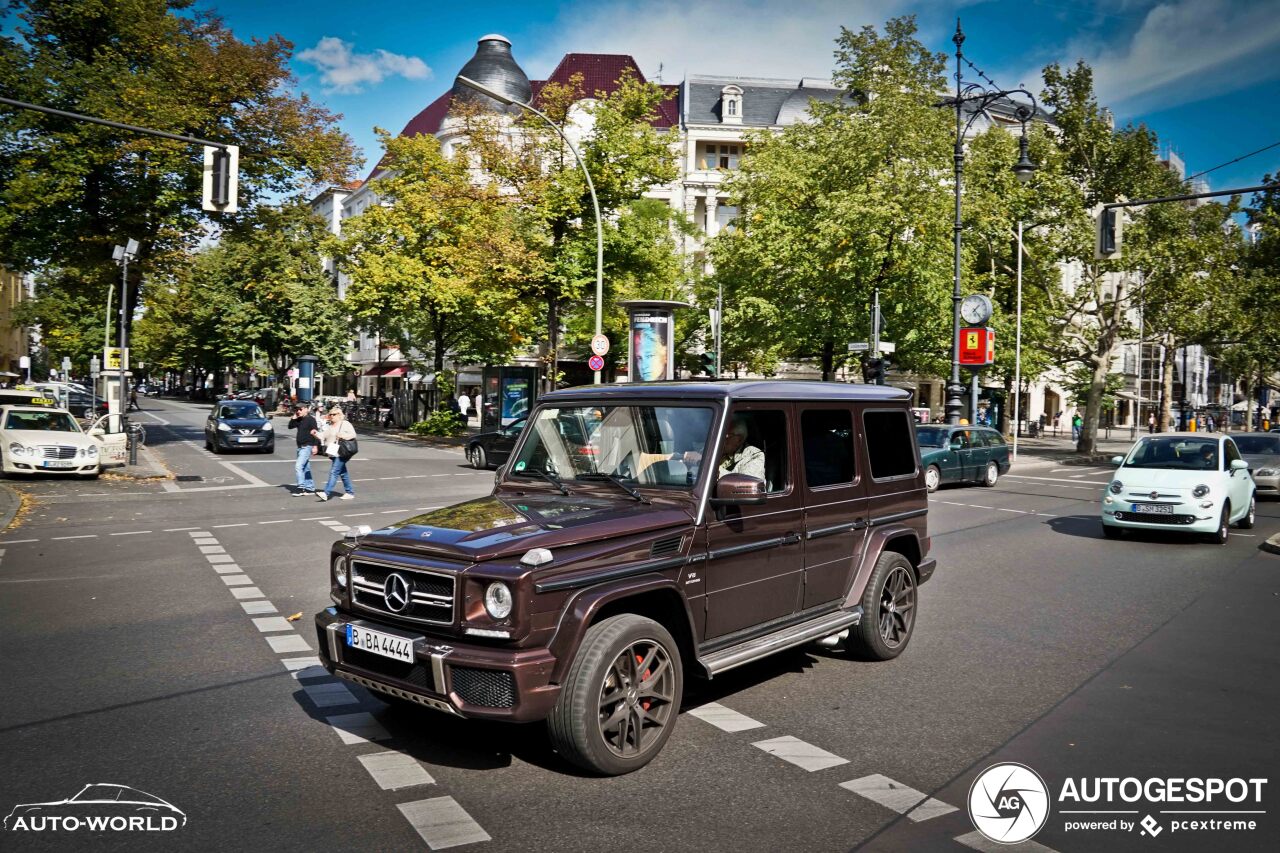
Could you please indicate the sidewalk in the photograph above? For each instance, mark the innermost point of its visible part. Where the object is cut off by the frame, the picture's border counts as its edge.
(1063, 449)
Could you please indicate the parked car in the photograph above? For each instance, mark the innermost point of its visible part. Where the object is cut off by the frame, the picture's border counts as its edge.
(1191, 481)
(961, 454)
(44, 439)
(86, 406)
(238, 425)
(589, 585)
(490, 449)
(1262, 451)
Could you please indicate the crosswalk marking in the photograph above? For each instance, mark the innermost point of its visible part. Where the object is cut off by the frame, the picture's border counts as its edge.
(236, 580)
(898, 797)
(288, 643)
(268, 624)
(393, 770)
(803, 755)
(247, 592)
(358, 728)
(442, 823)
(254, 607)
(725, 719)
(226, 568)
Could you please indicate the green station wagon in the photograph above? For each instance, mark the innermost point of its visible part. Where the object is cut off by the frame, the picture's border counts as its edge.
(961, 454)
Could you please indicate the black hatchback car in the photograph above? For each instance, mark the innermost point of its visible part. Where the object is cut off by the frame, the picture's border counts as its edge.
(492, 448)
(238, 425)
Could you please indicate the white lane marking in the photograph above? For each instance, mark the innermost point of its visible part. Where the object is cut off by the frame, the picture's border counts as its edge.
(255, 607)
(131, 533)
(227, 568)
(316, 518)
(212, 549)
(803, 755)
(358, 514)
(158, 420)
(267, 624)
(1053, 479)
(198, 532)
(725, 719)
(389, 478)
(414, 476)
(329, 695)
(363, 479)
(298, 664)
(249, 478)
(393, 511)
(439, 475)
(203, 541)
(240, 524)
(393, 770)
(277, 521)
(179, 529)
(981, 506)
(242, 592)
(1019, 511)
(977, 841)
(214, 488)
(425, 507)
(358, 728)
(236, 580)
(898, 797)
(442, 822)
(81, 536)
(18, 541)
(288, 643)
(219, 558)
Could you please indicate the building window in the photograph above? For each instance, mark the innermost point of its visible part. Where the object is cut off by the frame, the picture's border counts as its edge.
(731, 108)
(719, 157)
(731, 105)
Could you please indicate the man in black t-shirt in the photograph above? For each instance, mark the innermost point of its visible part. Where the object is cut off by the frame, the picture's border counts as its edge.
(308, 443)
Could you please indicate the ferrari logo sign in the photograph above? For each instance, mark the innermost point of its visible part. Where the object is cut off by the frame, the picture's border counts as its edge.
(977, 347)
(112, 359)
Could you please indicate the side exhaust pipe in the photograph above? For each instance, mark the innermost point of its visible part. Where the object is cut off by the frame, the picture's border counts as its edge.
(834, 641)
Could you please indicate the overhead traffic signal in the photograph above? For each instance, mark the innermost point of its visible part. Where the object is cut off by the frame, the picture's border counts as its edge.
(221, 179)
(1109, 234)
(873, 370)
(708, 360)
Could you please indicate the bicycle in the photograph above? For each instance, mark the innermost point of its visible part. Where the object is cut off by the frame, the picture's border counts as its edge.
(138, 433)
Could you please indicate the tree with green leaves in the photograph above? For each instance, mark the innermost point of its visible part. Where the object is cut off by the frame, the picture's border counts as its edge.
(626, 156)
(435, 265)
(70, 190)
(849, 202)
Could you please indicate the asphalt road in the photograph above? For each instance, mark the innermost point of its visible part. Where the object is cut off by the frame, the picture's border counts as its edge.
(134, 658)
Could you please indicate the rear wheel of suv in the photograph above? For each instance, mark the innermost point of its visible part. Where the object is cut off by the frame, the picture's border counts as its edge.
(888, 610)
(621, 698)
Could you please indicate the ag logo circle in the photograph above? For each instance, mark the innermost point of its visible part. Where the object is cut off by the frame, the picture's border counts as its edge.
(1008, 803)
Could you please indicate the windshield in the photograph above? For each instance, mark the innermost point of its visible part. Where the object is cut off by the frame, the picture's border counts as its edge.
(240, 410)
(1175, 452)
(931, 436)
(42, 421)
(646, 445)
(1258, 445)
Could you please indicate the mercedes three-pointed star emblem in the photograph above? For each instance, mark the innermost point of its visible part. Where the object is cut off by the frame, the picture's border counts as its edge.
(395, 590)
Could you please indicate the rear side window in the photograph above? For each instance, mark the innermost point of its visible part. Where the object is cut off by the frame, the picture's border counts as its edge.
(828, 446)
(991, 439)
(889, 444)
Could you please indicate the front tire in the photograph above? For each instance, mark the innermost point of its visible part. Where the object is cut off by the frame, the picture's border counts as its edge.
(1246, 523)
(992, 475)
(479, 459)
(621, 698)
(1219, 537)
(888, 610)
(932, 478)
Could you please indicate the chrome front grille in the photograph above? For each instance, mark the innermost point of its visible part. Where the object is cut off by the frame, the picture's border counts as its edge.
(58, 451)
(431, 594)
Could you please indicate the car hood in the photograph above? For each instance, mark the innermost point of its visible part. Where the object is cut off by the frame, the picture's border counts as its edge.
(1261, 460)
(1146, 479)
(41, 436)
(506, 525)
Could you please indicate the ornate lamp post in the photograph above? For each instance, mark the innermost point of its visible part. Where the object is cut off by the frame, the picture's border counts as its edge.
(977, 98)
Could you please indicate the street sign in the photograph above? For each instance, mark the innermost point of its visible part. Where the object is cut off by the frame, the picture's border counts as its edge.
(595, 362)
(111, 358)
(977, 347)
(859, 346)
(24, 361)
(95, 367)
(599, 346)
(888, 347)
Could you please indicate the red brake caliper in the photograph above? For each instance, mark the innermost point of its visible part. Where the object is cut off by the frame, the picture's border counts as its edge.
(646, 703)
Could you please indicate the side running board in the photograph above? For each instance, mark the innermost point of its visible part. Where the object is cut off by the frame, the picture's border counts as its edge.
(747, 651)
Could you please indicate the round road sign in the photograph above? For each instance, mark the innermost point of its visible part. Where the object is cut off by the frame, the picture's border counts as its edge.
(599, 346)
(596, 363)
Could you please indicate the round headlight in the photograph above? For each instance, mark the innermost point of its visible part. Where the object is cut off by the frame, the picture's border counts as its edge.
(1200, 491)
(223, 427)
(92, 451)
(340, 572)
(267, 427)
(1116, 487)
(17, 449)
(497, 600)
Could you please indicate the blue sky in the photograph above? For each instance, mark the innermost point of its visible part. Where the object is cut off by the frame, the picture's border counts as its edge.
(1204, 74)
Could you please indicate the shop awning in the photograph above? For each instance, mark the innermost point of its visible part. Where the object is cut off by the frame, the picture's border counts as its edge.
(387, 370)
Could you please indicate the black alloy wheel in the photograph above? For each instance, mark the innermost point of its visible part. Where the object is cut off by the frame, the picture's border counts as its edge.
(479, 459)
(888, 610)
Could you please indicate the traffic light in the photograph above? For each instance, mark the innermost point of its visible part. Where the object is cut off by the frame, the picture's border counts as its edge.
(880, 365)
(709, 364)
(221, 179)
(1108, 244)
(873, 371)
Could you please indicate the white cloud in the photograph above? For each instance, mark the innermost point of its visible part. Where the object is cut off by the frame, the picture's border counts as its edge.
(1184, 51)
(759, 38)
(345, 72)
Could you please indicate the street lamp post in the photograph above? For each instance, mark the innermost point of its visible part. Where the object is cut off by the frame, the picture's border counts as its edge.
(591, 187)
(122, 255)
(980, 98)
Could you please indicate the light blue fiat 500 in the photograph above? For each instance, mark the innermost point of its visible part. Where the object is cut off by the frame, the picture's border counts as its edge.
(1195, 482)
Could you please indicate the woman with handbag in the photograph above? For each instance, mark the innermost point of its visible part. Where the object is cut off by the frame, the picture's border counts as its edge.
(339, 442)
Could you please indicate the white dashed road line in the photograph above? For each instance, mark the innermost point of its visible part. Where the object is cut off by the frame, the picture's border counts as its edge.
(725, 719)
(442, 823)
(288, 643)
(329, 694)
(803, 755)
(393, 770)
(898, 797)
(257, 607)
(358, 728)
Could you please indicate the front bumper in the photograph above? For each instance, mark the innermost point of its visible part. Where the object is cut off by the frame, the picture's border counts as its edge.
(1267, 487)
(228, 441)
(33, 466)
(1185, 516)
(467, 680)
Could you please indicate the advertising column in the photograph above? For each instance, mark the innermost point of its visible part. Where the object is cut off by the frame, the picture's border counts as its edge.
(306, 377)
(651, 339)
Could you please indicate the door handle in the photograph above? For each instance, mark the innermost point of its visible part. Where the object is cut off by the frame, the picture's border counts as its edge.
(790, 538)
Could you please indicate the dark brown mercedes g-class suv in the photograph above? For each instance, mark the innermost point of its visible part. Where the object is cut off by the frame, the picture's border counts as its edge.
(641, 534)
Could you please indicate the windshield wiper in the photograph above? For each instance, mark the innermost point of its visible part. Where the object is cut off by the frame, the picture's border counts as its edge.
(550, 478)
(617, 481)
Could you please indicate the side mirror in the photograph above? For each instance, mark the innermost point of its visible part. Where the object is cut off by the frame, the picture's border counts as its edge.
(1117, 460)
(738, 490)
(1239, 465)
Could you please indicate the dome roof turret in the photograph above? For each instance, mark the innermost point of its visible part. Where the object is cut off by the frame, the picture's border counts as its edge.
(494, 66)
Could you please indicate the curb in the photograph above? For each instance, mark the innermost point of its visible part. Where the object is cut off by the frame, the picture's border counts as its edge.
(1271, 544)
(149, 468)
(10, 505)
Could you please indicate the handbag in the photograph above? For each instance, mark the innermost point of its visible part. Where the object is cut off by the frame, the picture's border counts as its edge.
(347, 447)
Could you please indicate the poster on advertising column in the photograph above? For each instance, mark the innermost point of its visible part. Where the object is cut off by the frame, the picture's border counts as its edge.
(652, 333)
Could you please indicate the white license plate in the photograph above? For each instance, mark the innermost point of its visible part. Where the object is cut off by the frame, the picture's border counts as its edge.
(387, 645)
(1154, 509)
(247, 439)
(58, 463)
